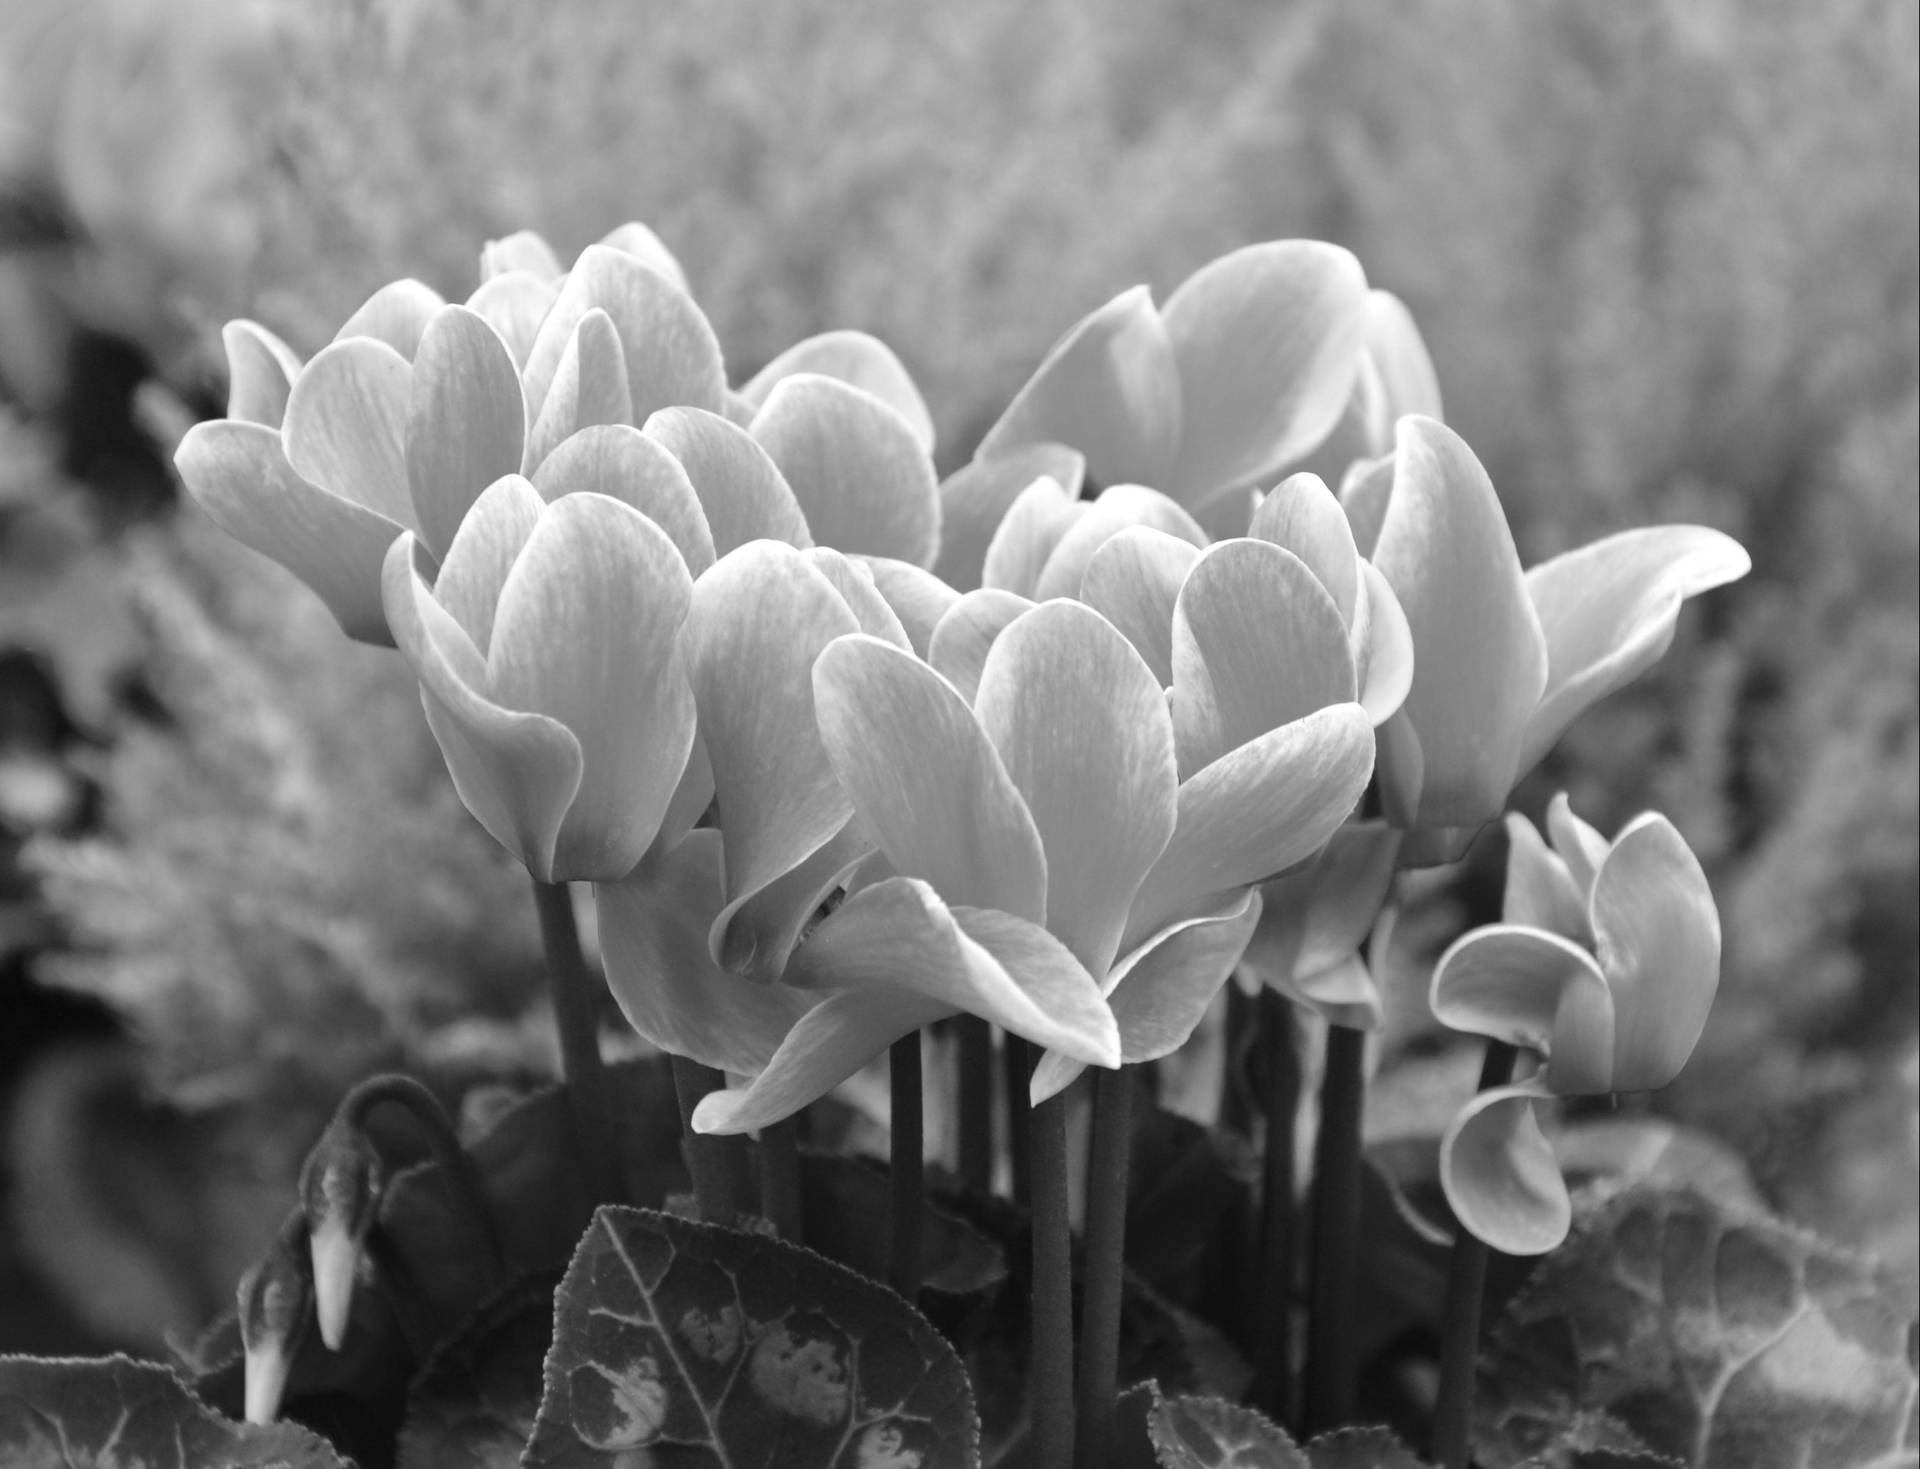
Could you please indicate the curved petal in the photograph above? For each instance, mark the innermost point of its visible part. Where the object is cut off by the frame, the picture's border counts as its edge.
(239, 475)
(1385, 659)
(1541, 892)
(1531, 988)
(1302, 516)
(741, 489)
(1364, 429)
(859, 472)
(1399, 354)
(975, 499)
(1608, 612)
(1133, 581)
(484, 549)
(1118, 507)
(1257, 643)
(620, 462)
(918, 597)
(1500, 1174)
(588, 632)
(1480, 659)
(755, 934)
(1268, 339)
(260, 373)
(855, 358)
(1109, 388)
(346, 425)
(1658, 936)
(395, 314)
(523, 250)
(1319, 914)
(925, 778)
(466, 422)
(1341, 993)
(1028, 532)
(515, 304)
(1578, 844)
(589, 387)
(1365, 492)
(635, 239)
(965, 635)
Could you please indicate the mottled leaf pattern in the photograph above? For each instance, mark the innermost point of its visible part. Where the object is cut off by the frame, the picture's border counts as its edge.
(1211, 1433)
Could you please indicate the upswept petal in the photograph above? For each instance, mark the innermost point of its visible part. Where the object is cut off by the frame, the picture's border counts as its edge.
(1110, 388)
(1399, 354)
(918, 597)
(588, 632)
(484, 549)
(1402, 768)
(1342, 993)
(1302, 516)
(1608, 612)
(975, 499)
(620, 462)
(1320, 914)
(466, 422)
(741, 489)
(754, 934)
(1364, 429)
(1579, 843)
(346, 426)
(854, 581)
(395, 314)
(1268, 339)
(1531, 988)
(1257, 643)
(523, 250)
(1658, 936)
(1117, 508)
(589, 387)
(691, 797)
(1385, 658)
(238, 473)
(1133, 581)
(855, 465)
(260, 373)
(515, 304)
(1480, 658)
(852, 357)
(635, 239)
(1500, 1174)
(1365, 492)
(1028, 532)
(1541, 892)
(926, 779)
(964, 635)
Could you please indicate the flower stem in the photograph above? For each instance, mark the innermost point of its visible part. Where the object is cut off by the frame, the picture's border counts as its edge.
(717, 1164)
(1017, 1073)
(1105, 1262)
(1460, 1326)
(1272, 1334)
(1052, 1392)
(906, 1154)
(1332, 1344)
(781, 1194)
(976, 1103)
(573, 987)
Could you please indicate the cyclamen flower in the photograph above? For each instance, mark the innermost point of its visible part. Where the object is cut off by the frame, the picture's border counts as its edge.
(1606, 965)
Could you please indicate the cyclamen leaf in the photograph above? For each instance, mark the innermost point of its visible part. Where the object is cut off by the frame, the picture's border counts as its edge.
(1721, 1337)
(1361, 1448)
(473, 1403)
(844, 1217)
(1211, 1433)
(87, 1414)
(669, 1333)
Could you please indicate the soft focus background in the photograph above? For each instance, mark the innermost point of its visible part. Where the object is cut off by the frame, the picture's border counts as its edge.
(1664, 252)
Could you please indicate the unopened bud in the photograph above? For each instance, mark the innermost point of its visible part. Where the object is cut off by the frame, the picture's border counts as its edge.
(275, 1304)
(340, 1193)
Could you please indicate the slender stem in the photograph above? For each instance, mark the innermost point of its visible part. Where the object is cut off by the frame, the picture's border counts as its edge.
(710, 1158)
(1105, 1262)
(780, 1186)
(908, 1173)
(1017, 1061)
(1242, 1019)
(1332, 1344)
(573, 987)
(1052, 1394)
(1272, 1334)
(454, 1162)
(976, 1103)
(1460, 1326)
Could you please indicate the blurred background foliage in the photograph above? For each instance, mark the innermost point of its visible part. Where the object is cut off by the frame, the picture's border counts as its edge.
(1665, 253)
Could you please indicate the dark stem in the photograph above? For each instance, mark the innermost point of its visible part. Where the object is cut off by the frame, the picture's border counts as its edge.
(1105, 1260)
(717, 1163)
(1052, 1394)
(780, 1188)
(573, 987)
(1332, 1343)
(1242, 1022)
(454, 1162)
(908, 1171)
(1017, 1072)
(976, 1103)
(1272, 1335)
(1460, 1325)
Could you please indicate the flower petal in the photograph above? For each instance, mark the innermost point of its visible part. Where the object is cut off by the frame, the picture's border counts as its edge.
(1027, 535)
(466, 422)
(1578, 843)
(856, 467)
(1302, 516)
(1531, 988)
(395, 314)
(1257, 643)
(1082, 728)
(857, 359)
(1399, 355)
(260, 373)
(1541, 892)
(1133, 581)
(965, 634)
(515, 304)
(1268, 339)
(754, 935)
(1480, 659)
(238, 474)
(976, 498)
(1318, 915)
(1500, 1174)
(346, 426)
(484, 549)
(925, 778)
(1365, 492)
(635, 239)
(1341, 993)
(588, 632)
(854, 581)
(1608, 612)
(1117, 508)
(918, 598)
(1385, 656)
(1658, 937)
(589, 387)
(620, 462)
(741, 489)
(523, 250)
(1109, 388)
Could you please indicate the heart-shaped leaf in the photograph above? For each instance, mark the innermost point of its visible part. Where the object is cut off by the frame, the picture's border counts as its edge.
(844, 1204)
(472, 1405)
(1211, 1433)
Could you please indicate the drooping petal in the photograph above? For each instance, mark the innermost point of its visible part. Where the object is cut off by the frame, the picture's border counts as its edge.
(1608, 612)
(588, 632)
(635, 239)
(1500, 1174)
(963, 637)
(1109, 388)
(975, 499)
(1531, 988)
(1365, 492)
(1031, 528)
(754, 935)
(1398, 352)
(346, 425)
(1082, 729)
(238, 473)
(741, 489)
(855, 465)
(854, 581)
(1579, 844)
(1118, 507)
(260, 373)
(484, 549)
(1341, 993)
(1257, 643)
(515, 304)
(523, 250)
(466, 422)
(1133, 581)
(1319, 915)
(918, 597)
(1658, 937)
(1480, 658)
(1541, 892)
(620, 462)
(925, 778)
(1385, 660)
(589, 387)
(852, 357)
(1302, 516)
(1268, 339)
(395, 314)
